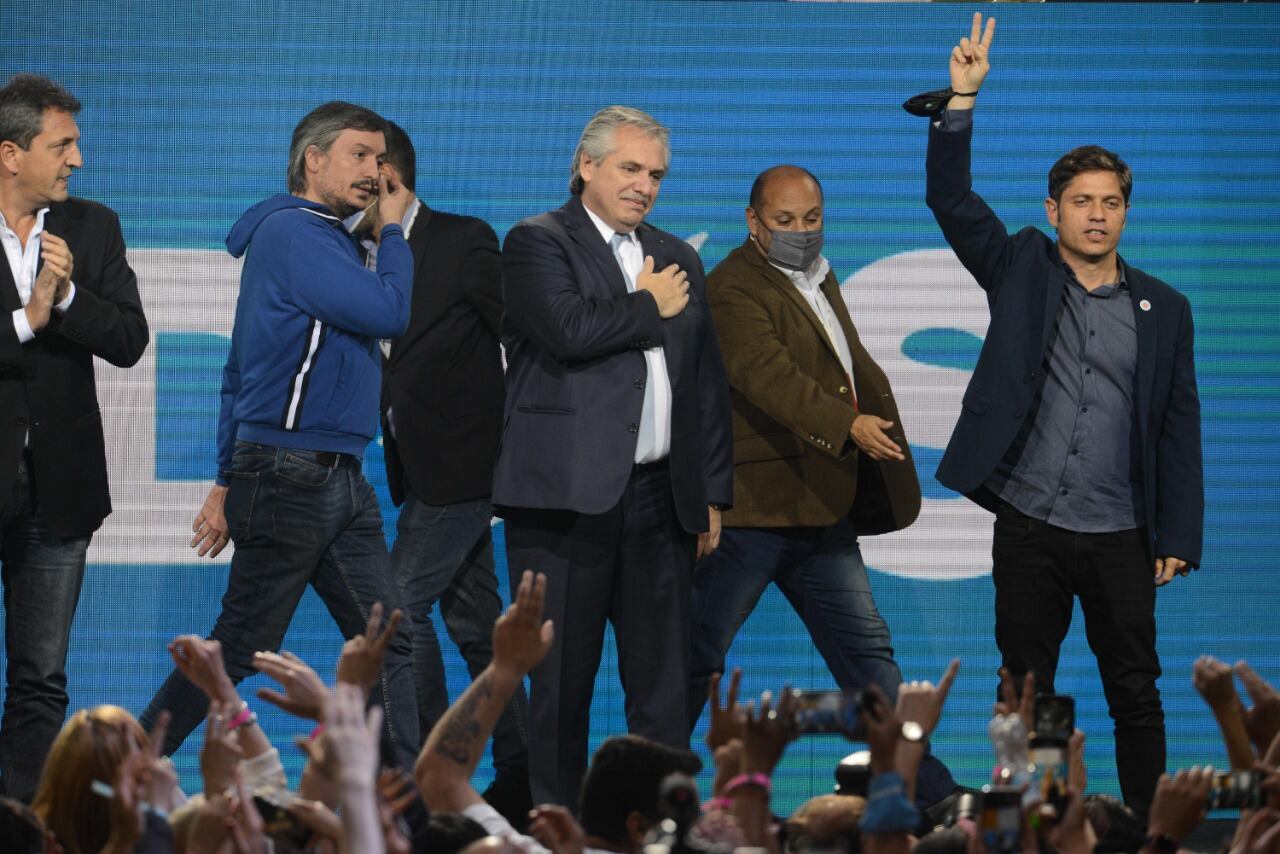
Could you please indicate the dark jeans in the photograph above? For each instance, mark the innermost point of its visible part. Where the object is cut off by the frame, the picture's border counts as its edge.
(296, 521)
(631, 567)
(444, 553)
(42, 575)
(1037, 570)
(821, 572)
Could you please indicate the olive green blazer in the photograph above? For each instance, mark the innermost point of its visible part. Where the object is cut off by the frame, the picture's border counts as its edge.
(794, 463)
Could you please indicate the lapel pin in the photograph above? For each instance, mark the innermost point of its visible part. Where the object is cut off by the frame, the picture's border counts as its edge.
(1145, 305)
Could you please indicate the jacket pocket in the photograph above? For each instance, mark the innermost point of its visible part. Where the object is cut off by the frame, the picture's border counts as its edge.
(546, 409)
(758, 449)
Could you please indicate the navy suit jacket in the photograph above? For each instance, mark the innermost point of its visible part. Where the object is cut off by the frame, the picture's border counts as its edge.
(1025, 281)
(574, 340)
(47, 386)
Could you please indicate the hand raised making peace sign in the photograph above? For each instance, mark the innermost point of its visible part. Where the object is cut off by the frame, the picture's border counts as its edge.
(969, 63)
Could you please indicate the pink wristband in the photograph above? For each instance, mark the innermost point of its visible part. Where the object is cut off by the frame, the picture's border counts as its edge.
(720, 802)
(245, 715)
(316, 733)
(753, 779)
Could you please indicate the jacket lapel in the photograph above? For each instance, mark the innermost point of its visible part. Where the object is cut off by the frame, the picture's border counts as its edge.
(9, 299)
(1052, 300)
(419, 237)
(651, 243)
(583, 232)
(776, 278)
(1146, 324)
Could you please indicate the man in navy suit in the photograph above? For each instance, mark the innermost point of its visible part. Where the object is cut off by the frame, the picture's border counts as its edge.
(1080, 428)
(617, 450)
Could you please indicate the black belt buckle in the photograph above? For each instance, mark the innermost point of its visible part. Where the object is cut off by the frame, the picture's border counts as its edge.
(329, 459)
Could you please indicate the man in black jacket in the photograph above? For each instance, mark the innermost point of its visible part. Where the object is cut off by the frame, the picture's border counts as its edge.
(69, 295)
(441, 420)
(1080, 428)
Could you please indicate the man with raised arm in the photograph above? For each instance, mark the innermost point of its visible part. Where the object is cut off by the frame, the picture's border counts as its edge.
(299, 405)
(69, 297)
(1080, 428)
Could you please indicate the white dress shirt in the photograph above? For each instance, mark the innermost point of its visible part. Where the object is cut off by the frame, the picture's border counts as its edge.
(655, 360)
(809, 284)
(23, 263)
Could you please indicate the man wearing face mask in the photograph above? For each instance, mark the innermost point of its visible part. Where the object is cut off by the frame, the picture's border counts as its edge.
(818, 451)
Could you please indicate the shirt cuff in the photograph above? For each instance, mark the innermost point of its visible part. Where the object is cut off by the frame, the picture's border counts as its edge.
(66, 303)
(21, 326)
(954, 121)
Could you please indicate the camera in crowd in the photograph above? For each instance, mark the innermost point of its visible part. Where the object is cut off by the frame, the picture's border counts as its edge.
(1236, 790)
(829, 713)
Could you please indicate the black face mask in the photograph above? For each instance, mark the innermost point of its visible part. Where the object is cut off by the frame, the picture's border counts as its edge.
(794, 250)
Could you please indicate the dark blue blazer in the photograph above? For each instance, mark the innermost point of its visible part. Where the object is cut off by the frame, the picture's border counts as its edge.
(1025, 281)
(574, 340)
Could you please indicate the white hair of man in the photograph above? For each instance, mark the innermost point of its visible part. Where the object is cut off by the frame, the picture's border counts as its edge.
(597, 141)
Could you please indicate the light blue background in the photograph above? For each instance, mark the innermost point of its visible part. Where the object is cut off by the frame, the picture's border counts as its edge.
(187, 118)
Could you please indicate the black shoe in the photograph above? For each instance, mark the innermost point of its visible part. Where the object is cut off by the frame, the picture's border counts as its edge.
(509, 795)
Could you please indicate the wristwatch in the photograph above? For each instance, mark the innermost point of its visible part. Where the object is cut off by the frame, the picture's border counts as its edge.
(912, 732)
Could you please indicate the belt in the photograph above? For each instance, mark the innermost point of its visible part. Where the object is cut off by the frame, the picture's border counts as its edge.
(655, 467)
(333, 459)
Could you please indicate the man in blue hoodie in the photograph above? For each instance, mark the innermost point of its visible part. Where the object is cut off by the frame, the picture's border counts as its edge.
(299, 405)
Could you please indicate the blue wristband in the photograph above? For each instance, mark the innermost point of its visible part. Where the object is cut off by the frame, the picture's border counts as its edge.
(888, 810)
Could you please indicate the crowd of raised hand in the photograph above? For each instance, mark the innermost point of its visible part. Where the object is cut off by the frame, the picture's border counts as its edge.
(107, 788)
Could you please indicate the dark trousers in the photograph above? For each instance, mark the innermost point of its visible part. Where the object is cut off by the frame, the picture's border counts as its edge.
(296, 520)
(1037, 570)
(444, 553)
(823, 576)
(42, 574)
(630, 566)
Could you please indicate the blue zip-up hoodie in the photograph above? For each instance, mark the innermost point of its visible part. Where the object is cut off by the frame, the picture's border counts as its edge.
(304, 369)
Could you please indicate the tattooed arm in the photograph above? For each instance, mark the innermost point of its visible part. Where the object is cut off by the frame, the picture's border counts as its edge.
(450, 756)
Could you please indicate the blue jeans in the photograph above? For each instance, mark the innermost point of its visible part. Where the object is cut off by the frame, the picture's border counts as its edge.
(821, 572)
(444, 553)
(42, 575)
(296, 521)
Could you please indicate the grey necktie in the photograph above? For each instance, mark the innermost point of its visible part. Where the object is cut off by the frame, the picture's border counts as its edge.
(647, 439)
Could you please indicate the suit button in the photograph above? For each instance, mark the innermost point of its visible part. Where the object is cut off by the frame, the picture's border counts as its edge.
(639, 384)
(633, 428)
(1018, 414)
(844, 389)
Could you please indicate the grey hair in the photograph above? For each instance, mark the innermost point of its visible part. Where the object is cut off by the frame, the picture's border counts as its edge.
(597, 141)
(23, 101)
(320, 128)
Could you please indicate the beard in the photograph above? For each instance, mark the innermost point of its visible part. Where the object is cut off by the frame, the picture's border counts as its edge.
(342, 206)
(367, 227)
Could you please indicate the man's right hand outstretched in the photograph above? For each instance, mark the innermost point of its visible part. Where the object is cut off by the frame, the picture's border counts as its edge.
(969, 60)
(210, 526)
(670, 288)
